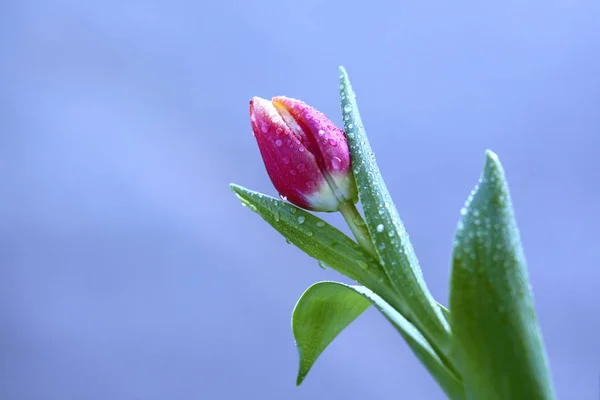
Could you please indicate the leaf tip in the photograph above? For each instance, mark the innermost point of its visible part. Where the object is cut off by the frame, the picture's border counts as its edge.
(492, 166)
(301, 375)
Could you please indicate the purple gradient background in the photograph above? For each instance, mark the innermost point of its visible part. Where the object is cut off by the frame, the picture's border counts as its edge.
(128, 270)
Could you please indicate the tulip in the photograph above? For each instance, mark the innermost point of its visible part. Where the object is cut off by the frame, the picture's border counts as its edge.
(305, 154)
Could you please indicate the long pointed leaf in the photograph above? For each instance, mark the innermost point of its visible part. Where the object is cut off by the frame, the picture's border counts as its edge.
(316, 238)
(498, 340)
(387, 230)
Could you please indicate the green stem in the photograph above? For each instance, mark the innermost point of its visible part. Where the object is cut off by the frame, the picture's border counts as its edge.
(358, 226)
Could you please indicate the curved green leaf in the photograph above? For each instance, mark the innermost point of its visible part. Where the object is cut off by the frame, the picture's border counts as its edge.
(498, 341)
(385, 226)
(326, 308)
(323, 311)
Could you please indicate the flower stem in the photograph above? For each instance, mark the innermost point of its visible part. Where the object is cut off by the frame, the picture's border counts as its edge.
(358, 226)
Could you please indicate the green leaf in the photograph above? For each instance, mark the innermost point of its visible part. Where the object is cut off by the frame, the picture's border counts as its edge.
(498, 341)
(387, 230)
(316, 238)
(326, 308)
(322, 312)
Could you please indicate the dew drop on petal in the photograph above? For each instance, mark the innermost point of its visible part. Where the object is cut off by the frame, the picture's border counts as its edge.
(278, 143)
(311, 185)
(301, 149)
(321, 132)
(286, 160)
(279, 131)
(336, 162)
(301, 167)
(293, 171)
(264, 127)
(332, 142)
(301, 219)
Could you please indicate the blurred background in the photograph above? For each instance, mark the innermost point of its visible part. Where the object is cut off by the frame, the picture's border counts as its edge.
(129, 271)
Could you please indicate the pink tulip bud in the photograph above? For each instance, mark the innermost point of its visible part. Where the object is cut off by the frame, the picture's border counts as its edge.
(306, 155)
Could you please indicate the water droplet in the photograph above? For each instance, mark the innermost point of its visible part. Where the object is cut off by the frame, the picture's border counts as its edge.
(279, 131)
(244, 205)
(301, 149)
(301, 167)
(463, 211)
(380, 228)
(288, 241)
(321, 132)
(294, 210)
(381, 211)
(309, 233)
(347, 108)
(476, 213)
(264, 127)
(286, 160)
(301, 219)
(382, 246)
(332, 142)
(320, 224)
(476, 221)
(293, 171)
(336, 162)
(284, 198)
(278, 143)
(253, 118)
(311, 185)
(276, 217)
(350, 125)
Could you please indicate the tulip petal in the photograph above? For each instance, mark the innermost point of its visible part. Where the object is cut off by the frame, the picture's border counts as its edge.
(292, 168)
(326, 141)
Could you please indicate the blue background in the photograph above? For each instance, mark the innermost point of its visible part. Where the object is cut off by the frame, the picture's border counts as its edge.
(128, 270)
